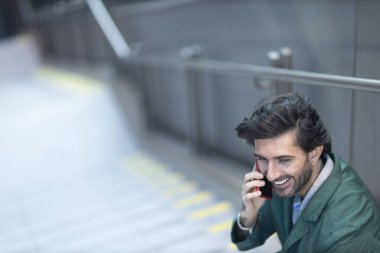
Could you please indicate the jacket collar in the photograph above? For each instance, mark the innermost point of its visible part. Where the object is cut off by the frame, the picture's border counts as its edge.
(322, 196)
(316, 205)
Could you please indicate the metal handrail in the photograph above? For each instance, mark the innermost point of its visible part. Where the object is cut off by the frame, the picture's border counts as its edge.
(304, 77)
(109, 28)
(122, 50)
(144, 7)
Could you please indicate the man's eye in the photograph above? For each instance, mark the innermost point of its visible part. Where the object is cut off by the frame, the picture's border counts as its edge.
(284, 160)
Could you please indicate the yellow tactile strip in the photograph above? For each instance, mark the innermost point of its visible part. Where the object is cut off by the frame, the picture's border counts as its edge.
(200, 205)
(69, 81)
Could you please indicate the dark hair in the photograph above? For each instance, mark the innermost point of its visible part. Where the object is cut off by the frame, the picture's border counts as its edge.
(279, 114)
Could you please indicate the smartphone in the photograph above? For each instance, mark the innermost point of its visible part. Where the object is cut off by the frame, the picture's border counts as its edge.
(266, 190)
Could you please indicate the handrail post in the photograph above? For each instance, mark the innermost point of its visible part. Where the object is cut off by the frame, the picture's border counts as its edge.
(274, 61)
(193, 85)
(282, 59)
(287, 63)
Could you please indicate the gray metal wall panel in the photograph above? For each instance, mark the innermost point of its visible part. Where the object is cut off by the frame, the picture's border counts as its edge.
(170, 100)
(102, 49)
(233, 98)
(87, 36)
(366, 140)
(335, 109)
(76, 26)
(366, 135)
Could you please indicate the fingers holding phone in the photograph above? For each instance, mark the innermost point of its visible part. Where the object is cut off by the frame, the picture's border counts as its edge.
(251, 185)
(255, 185)
(251, 191)
(251, 197)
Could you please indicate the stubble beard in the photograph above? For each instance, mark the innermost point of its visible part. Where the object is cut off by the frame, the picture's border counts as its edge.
(303, 179)
(299, 182)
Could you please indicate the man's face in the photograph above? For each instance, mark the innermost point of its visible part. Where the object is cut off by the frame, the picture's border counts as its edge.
(285, 165)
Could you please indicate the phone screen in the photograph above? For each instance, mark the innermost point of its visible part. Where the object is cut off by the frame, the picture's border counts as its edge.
(266, 190)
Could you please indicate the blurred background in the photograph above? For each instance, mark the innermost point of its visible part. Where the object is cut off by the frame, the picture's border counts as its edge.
(117, 117)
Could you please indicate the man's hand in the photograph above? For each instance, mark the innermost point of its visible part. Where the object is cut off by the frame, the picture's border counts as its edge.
(251, 198)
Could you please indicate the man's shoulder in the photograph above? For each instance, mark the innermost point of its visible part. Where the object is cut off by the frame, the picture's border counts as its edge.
(351, 206)
(351, 187)
(350, 182)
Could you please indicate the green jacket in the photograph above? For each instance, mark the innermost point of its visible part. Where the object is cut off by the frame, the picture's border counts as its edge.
(341, 217)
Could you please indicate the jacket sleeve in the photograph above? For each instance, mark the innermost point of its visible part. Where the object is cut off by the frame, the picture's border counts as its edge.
(263, 229)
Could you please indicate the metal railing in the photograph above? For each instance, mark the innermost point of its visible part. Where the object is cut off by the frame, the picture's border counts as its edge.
(124, 53)
(190, 62)
(279, 74)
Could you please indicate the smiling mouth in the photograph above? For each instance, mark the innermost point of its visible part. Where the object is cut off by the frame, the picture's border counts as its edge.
(281, 181)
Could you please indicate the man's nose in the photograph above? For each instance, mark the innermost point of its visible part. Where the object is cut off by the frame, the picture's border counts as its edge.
(272, 172)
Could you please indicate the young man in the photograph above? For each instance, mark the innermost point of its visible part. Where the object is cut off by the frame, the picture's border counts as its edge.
(319, 203)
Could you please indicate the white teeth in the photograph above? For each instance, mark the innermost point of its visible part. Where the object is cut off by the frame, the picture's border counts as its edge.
(281, 182)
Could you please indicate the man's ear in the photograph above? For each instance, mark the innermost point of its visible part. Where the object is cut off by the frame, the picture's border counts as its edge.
(315, 154)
